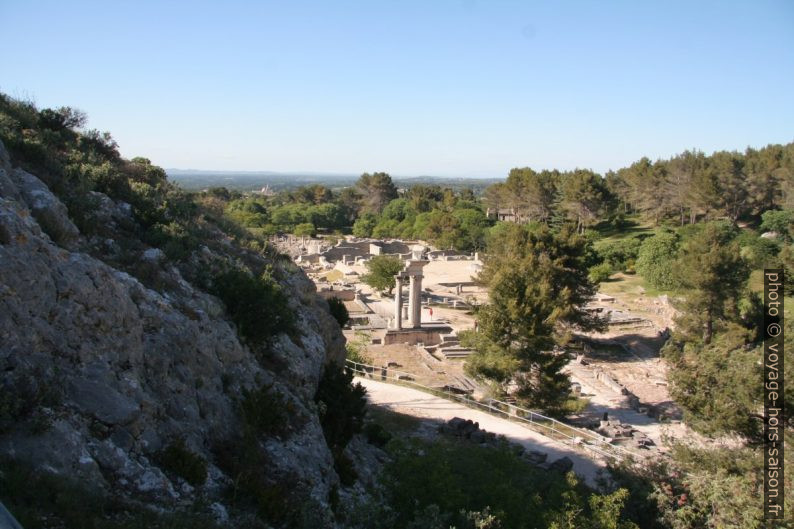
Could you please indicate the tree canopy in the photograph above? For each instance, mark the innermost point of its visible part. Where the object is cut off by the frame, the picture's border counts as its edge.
(381, 272)
(538, 285)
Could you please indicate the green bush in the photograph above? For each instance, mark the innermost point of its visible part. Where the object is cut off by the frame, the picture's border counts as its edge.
(381, 270)
(698, 487)
(277, 499)
(786, 261)
(385, 228)
(256, 304)
(304, 229)
(778, 221)
(377, 435)
(338, 311)
(756, 251)
(364, 225)
(620, 254)
(249, 212)
(188, 465)
(176, 241)
(265, 412)
(342, 407)
(656, 258)
(356, 349)
(599, 273)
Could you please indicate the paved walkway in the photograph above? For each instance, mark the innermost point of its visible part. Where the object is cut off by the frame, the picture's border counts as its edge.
(423, 405)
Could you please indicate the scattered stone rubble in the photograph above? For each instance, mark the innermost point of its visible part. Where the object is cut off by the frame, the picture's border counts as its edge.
(467, 429)
(624, 433)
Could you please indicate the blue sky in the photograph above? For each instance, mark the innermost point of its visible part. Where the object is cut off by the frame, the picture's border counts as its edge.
(452, 88)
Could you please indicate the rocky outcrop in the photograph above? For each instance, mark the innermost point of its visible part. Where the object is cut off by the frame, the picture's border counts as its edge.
(50, 213)
(111, 371)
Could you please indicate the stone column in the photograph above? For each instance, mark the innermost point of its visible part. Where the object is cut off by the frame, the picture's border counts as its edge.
(415, 301)
(398, 303)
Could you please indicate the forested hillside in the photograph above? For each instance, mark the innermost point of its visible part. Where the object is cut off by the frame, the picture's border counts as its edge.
(689, 188)
(685, 188)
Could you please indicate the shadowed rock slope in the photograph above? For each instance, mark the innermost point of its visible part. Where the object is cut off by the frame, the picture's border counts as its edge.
(135, 391)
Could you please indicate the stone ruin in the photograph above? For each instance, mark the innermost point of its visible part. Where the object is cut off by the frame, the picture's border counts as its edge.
(471, 431)
(351, 251)
(413, 274)
(622, 433)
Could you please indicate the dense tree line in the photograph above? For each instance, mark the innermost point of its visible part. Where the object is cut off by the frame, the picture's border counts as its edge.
(440, 216)
(374, 207)
(685, 188)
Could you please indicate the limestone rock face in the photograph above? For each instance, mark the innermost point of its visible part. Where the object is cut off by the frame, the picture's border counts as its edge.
(51, 214)
(119, 370)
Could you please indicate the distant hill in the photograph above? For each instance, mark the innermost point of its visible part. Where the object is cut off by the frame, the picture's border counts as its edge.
(193, 180)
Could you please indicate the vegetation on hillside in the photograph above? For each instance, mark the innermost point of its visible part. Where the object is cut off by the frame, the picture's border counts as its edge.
(212, 251)
(456, 484)
(342, 408)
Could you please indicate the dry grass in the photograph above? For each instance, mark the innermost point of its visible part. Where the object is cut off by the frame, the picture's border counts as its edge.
(333, 275)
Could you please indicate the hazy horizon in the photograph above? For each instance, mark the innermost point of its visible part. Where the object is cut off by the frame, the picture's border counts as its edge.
(462, 175)
(329, 174)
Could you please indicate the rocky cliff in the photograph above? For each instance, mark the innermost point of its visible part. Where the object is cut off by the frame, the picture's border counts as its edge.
(99, 374)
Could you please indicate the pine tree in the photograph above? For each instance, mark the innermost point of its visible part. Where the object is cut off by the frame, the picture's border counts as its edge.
(538, 285)
(714, 276)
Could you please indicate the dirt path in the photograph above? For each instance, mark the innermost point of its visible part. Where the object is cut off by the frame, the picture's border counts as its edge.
(418, 404)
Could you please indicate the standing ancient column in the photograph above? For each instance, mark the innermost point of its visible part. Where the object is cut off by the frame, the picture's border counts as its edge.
(398, 303)
(415, 301)
(411, 288)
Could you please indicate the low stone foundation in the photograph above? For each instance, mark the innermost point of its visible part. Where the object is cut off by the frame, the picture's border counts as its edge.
(423, 335)
(343, 294)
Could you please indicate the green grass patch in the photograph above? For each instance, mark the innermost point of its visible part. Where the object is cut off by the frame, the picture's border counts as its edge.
(333, 275)
(756, 281)
(636, 227)
(630, 285)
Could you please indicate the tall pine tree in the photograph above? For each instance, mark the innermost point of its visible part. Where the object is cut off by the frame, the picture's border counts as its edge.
(538, 285)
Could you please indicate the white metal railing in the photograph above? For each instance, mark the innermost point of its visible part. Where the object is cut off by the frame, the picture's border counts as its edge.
(589, 442)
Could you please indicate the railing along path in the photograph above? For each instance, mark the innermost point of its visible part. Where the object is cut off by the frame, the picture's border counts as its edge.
(594, 445)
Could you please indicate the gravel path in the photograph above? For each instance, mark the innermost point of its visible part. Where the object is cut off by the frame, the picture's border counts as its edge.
(423, 405)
